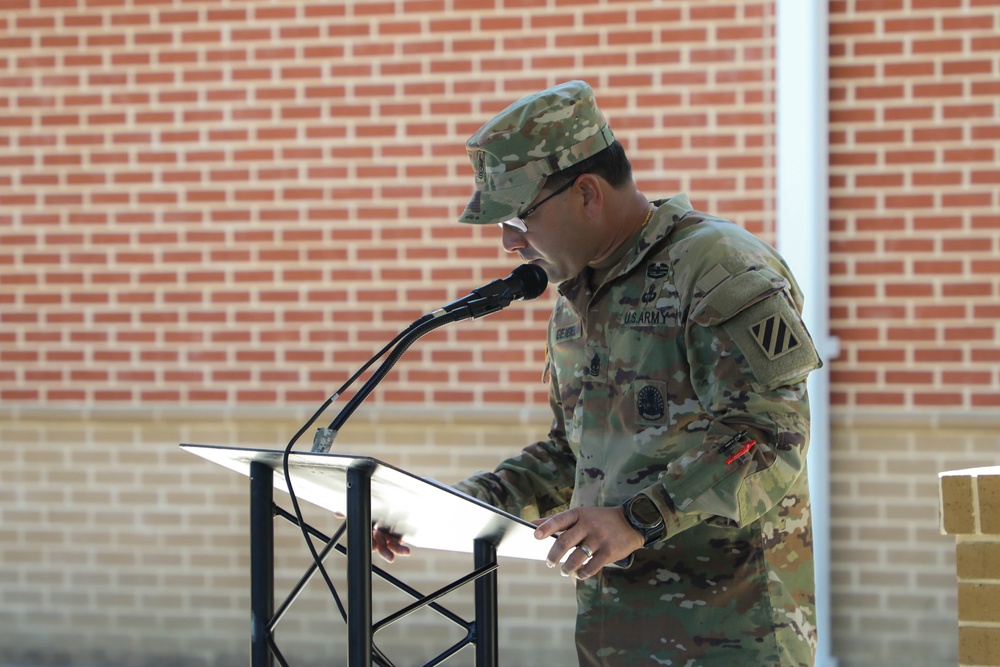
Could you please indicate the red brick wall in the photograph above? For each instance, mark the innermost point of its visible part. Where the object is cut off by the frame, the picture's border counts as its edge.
(914, 242)
(238, 204)
(914, 222)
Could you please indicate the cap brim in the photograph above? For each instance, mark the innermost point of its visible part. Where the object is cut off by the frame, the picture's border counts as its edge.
(487, 208)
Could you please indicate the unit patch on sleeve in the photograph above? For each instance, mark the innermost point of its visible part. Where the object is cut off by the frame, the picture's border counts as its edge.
(774, 336)
(774, 342)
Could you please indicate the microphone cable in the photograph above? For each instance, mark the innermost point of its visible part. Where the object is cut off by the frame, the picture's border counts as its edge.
(531, 282)
(377, 654)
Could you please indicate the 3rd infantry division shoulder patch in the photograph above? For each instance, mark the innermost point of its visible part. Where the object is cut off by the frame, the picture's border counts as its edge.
(774, 336)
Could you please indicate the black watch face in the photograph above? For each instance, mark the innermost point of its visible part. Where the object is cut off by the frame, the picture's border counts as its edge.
(644, 511)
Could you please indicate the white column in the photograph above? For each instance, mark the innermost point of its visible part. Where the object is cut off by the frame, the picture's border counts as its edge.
(802, 158)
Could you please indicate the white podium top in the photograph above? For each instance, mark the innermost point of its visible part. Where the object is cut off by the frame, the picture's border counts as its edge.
(424, 512)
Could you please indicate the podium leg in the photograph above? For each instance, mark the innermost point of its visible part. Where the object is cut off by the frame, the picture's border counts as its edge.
(359, 567)
(487, 653)
(261, 563)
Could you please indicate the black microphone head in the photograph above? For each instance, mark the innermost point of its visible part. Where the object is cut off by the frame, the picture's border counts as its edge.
(532, 279)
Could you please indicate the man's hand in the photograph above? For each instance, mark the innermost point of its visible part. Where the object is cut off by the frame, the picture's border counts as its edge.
(388, 545)
(603, 531)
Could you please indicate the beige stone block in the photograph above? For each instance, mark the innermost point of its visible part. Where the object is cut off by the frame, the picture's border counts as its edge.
(978, 603)
(989, 501)
(979, 646)
(977, 559)
(956, 509)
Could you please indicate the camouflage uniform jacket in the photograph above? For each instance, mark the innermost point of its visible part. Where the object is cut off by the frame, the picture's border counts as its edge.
(693, 338)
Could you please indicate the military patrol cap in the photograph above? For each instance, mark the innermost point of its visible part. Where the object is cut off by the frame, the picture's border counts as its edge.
(535, 137)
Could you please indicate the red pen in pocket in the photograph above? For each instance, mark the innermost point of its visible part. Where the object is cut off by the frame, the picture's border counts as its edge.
(738, 439)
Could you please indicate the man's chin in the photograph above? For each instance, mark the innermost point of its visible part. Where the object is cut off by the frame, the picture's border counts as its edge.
(551, 273)
(554, 274)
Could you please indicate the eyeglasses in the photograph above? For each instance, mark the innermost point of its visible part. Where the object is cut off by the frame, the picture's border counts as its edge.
(517, 222)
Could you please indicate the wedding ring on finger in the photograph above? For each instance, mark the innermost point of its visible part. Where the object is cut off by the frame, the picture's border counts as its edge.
(586, 550)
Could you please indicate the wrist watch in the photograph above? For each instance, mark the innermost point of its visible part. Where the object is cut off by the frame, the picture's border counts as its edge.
(643, 515)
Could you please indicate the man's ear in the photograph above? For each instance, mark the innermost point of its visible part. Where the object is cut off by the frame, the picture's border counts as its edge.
(593, 193)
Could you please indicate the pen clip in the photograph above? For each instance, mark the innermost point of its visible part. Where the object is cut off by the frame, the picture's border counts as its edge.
(727, 446)
(742, 452)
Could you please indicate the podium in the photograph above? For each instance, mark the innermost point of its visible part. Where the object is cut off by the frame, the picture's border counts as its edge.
(424, 512)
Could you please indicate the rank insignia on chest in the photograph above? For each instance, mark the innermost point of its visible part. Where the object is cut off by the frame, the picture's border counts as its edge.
(594, 364)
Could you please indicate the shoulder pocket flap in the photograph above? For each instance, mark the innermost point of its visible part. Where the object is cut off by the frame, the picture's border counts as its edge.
(736, 294)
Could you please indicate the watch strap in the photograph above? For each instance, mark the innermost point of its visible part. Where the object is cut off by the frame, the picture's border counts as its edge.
(650, 532)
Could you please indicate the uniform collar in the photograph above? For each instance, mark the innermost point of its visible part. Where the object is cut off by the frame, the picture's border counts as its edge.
(663, 222)
(661, 225)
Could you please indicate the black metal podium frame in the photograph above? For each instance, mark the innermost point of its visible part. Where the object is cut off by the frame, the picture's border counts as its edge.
(344, 484)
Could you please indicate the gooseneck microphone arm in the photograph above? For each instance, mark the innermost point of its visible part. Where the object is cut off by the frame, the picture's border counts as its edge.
(526, 282)
(421, 328)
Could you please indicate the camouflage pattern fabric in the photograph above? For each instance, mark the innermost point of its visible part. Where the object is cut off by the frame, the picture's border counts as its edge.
(515, 151)
(693, 338)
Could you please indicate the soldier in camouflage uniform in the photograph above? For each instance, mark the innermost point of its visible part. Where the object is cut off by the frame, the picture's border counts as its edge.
(674, 470)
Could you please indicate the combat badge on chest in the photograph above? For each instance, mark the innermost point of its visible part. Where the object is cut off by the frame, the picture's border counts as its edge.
(653, 306)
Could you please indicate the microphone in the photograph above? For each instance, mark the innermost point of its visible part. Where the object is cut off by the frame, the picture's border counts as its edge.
(526, 282)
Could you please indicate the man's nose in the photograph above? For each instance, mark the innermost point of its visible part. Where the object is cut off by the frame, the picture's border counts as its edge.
(513, 239)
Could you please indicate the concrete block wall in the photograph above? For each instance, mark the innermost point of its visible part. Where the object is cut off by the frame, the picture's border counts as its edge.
(893, 574)
(118, 548)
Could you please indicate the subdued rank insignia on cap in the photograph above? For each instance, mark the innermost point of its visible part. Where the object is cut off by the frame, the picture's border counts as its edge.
(481, 166)
(774, 336)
